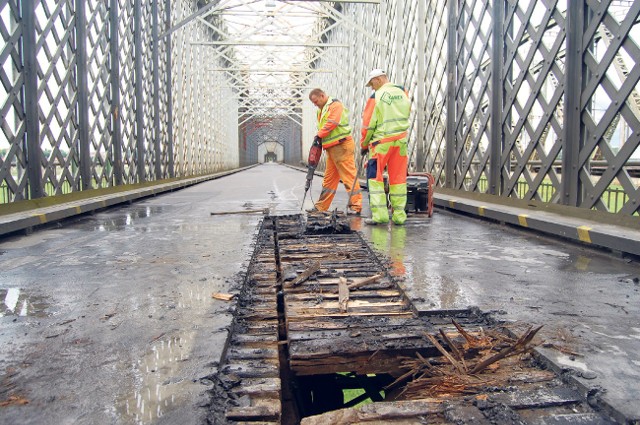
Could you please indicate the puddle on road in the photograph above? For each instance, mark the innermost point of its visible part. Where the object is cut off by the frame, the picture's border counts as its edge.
(159, 383)
(16, 302)
(160, 376)
(126, 218)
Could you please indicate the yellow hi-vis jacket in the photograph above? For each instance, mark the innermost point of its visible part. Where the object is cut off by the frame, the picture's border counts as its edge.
(333, 123)
(386, 116)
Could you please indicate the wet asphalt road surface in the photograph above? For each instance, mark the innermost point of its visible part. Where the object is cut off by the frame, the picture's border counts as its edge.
(108, 318)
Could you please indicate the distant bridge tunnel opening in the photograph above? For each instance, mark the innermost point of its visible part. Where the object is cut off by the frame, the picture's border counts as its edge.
(271, 151)
(270, 139)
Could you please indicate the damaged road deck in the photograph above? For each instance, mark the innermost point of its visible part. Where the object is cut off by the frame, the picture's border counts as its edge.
(319, 307)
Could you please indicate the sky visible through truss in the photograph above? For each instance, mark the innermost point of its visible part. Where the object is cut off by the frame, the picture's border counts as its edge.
(274, 45)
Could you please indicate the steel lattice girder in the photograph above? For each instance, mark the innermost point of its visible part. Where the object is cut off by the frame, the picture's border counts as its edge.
(500, 127)
(536, 100)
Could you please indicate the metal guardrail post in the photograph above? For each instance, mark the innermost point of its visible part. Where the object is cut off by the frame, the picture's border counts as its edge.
(30, 100)
(497, 97)
(572, 125)
(156, 90)
(139, 96)
(83, 95)
(420, 89)
(451, 92)
(116, 127)
(399, 71)
(169, 92)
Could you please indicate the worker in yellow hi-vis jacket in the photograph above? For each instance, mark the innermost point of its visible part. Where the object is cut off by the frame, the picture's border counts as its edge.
(335, 134)
(385, 122)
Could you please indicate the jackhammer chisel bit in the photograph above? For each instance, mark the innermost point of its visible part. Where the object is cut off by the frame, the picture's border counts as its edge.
(314, 158)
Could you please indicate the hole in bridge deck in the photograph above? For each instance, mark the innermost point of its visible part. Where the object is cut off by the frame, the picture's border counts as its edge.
(310, 349)
(318, 394)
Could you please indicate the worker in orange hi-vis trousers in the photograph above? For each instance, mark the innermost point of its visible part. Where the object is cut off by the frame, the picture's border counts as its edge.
(385, 122)
(335, 134)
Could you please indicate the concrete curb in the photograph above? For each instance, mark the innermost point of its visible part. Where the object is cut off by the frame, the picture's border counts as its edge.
(27, 220)
(617, 238)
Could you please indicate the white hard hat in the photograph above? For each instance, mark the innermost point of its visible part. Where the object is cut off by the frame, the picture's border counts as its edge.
(373, 74)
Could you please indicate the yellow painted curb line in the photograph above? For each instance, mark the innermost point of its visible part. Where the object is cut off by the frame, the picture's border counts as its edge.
(452, 204)
(583, 234)
(481, 211)
(522, 219)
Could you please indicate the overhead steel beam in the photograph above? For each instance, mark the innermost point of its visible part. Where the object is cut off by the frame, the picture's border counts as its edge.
(213, 27)
(287, 116)
(244, 87)
(339, 16)
(203, 11)
(336, 1)
(253, 116)
(200, 12)
(264, 14)
(264, 43)
(274, 70)
(259, 107)
(271, 99)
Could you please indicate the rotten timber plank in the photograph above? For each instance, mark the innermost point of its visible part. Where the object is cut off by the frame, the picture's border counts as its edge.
(259, 340)
(359, 322)
(360, 334)
(333, 305)
(464, 414)
(538, 398)
(251, 353)
(306, 296)
(407, 314)
(343, 295)
(313, 268)
(253, 413)
(259, 386)
(264, 368)
(257, 423)
(574, 419)
(384, 411)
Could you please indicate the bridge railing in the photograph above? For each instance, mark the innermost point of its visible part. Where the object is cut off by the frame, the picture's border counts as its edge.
(503, 91)
(99, 92)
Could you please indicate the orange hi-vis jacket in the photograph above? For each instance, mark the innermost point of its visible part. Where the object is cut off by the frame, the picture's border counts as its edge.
(386, 116)
(333, 123)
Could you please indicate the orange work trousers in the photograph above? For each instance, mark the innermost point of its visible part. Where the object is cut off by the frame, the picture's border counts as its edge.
(340, 165)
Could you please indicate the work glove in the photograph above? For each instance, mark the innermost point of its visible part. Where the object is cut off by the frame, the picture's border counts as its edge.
(317, 140)
(364, 151)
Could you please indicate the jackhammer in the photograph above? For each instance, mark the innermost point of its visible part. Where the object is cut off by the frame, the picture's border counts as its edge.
(312, 162)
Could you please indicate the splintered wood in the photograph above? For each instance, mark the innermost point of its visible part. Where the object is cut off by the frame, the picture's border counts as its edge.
(466, 359)
(350, 315)
(313, 268)
(322, 303)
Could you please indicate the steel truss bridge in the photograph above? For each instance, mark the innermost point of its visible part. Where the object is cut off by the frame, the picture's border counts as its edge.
(534, 100)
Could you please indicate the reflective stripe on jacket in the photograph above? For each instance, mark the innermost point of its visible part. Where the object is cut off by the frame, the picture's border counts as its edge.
(386, 116)
(333, 123)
